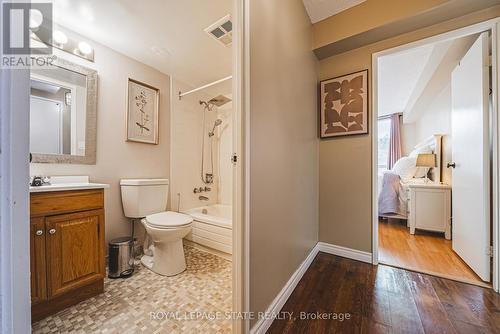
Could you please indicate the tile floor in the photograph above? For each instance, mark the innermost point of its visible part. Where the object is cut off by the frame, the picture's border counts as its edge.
(127, 305)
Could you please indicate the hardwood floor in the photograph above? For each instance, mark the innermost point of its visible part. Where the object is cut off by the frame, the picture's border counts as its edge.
(383, 299)
(424, 251)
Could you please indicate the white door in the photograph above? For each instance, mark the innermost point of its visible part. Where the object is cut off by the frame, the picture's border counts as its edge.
(470, 151)
(45, 126)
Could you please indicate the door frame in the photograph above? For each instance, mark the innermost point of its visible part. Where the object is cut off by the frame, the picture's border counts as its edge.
(15, 297)
(241, 175)
(492, 25)
(14, 195)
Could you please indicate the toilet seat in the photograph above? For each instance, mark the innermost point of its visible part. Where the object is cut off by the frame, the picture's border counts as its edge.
(168, 219)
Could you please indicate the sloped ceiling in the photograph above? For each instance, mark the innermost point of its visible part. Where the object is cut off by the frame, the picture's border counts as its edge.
(409, 81)
(398, 76)
(321, 9)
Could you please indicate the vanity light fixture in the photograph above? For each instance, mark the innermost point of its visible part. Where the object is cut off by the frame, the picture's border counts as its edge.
(84, 48)
(66, 42)
(59, 37)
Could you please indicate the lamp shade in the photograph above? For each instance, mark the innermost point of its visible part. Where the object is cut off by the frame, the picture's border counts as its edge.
(426, 160)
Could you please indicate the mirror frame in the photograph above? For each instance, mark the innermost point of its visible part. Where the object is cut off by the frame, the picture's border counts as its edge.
(90, 123)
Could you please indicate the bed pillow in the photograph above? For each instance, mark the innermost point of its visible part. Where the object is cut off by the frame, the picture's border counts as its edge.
(421, 171)
(405, 168)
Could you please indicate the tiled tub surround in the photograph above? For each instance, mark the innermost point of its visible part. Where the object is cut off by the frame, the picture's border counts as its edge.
(127, 304)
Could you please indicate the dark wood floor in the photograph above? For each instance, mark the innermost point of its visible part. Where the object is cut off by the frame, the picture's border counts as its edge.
(383, 299)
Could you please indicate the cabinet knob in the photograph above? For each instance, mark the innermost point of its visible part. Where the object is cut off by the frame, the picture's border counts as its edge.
(52, 231)
(39, 232)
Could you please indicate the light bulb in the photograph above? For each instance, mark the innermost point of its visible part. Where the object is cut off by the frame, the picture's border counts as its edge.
(36, 18)
(84, 48)
(60, 37)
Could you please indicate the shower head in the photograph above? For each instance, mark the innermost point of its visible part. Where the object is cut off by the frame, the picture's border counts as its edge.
(219, 100)
(218, 122)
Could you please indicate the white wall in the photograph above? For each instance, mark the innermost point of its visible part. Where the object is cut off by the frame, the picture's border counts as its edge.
(117, 158)
(434, 119)
(408, 136)
(186, 136)
(225, 141)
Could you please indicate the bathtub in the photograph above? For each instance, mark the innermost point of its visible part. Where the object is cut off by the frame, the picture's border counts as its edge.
(212, 227)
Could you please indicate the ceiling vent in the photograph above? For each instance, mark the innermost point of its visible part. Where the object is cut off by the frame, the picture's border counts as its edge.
(222, 30)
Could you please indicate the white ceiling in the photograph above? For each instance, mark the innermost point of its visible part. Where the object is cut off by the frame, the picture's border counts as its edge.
(321, 9)
(398, 74)
(165, 34)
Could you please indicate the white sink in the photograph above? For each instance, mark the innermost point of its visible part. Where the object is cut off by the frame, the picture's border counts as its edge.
(61, 183)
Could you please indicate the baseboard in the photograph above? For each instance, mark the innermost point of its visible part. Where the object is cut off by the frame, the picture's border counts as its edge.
(264, 323)
(349, 253)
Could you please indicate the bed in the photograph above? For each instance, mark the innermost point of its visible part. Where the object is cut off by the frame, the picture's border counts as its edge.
(393, 185)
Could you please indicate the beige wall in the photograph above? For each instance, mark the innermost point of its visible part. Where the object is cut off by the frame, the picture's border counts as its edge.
(116, 158)
(345, 163)
(283, 145)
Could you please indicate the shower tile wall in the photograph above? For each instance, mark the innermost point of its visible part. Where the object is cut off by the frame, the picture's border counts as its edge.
(186, 135)
(225, 141)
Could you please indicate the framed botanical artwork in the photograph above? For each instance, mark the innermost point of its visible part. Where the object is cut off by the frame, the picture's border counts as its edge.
(142, 112)
(344, 105)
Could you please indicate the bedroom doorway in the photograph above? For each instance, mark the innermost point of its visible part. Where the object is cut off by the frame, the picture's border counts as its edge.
(435, 158)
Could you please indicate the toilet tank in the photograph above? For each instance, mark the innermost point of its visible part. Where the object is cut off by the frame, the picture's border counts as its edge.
(142, 197)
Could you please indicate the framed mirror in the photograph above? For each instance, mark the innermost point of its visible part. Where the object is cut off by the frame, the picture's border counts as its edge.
(63, 114)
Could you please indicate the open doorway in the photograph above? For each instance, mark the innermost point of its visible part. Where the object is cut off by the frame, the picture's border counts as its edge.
(115, 69)
(434, 153)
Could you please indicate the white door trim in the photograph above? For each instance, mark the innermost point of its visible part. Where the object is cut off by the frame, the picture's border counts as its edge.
(494, 26)
(241, 178)
(15, 303)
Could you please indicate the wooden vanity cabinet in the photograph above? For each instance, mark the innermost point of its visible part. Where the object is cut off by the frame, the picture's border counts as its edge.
(67, 249)
(37, 260)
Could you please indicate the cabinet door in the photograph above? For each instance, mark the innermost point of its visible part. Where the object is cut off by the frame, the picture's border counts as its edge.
(430, 209)
(75, 250)
(37, 260)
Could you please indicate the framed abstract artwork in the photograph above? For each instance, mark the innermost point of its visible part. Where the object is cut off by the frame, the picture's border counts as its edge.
(142, 112)
(344, 105)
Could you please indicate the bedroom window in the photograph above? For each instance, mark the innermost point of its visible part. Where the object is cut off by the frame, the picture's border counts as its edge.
(384, 133)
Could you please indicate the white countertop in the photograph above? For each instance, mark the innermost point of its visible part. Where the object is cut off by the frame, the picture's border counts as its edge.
(430, 185)
(62, 183)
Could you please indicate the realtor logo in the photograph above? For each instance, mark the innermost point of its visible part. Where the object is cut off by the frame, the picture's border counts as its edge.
(23, 21)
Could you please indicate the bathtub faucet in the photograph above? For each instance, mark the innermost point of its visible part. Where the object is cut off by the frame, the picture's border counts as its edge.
(203, 198)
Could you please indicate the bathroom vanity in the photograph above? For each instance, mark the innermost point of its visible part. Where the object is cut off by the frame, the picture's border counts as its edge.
(67, 245)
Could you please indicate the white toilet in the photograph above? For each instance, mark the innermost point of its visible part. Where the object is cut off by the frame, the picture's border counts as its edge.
(146, 199)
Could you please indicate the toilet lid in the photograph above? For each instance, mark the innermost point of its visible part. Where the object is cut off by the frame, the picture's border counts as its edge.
(168, 219)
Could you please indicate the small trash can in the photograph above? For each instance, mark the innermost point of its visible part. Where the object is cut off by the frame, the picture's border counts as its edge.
(121, 261)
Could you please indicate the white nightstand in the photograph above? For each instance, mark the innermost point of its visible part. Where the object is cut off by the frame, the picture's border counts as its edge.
(430, 208)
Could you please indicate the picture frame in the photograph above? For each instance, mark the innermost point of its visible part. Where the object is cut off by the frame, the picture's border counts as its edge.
(343, 105)
(143, 105)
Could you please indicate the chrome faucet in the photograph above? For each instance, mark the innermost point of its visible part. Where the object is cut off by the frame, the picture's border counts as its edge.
(203, 198)
(38, 181)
